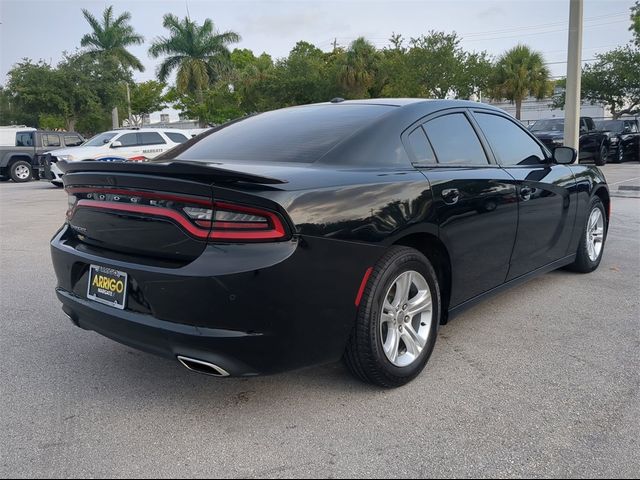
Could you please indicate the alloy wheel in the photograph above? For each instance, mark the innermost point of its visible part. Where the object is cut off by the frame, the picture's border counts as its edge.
(405, 322)
(595, 234)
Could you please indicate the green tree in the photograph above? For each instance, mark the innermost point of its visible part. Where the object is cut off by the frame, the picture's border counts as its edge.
(146, 98)
(433, 66)
(251, 79)
(111, 37)
(199, 54)
(76, 94)
(614, 80)
(518, 74)
(635, 22)
(359, 69)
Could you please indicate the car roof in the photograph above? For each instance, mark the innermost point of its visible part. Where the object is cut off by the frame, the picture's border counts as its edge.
(433, 104)
(150, 129)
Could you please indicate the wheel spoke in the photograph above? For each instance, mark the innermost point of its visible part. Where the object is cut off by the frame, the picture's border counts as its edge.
(392, 345)
(419, 303)
(418, 342)
(403, 284)
(387, 307)
(388, 319)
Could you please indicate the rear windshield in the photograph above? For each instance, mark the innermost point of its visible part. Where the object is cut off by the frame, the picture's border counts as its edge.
(299, 134)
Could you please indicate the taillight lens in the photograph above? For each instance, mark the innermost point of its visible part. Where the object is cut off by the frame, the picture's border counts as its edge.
(237, 222)
(198, 216)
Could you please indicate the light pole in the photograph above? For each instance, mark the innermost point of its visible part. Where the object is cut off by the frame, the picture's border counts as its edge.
(574, 75)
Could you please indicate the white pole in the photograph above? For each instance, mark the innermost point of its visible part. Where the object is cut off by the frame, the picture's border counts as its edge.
(129, 104)
(574, 75)
(114, 118)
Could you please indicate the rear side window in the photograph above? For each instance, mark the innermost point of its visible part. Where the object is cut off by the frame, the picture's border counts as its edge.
(50, 140)
(455, 141)
(128, 139)
(151, 138)
(176, 137)
(298, 134)
(72, 140)
(419, 145)
(510, 144)
(24, 139)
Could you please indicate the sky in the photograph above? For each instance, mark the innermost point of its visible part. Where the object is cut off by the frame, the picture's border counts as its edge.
(43, 29)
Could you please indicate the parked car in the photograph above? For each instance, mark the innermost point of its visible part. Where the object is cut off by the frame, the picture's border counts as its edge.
(594, 143)
(624, 138)
(296, 237)
(136, 144)
(19, 160)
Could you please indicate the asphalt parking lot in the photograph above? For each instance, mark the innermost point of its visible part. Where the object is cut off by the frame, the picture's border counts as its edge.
(541, 381)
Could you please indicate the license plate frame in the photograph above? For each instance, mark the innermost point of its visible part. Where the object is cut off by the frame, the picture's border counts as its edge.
(107, 286)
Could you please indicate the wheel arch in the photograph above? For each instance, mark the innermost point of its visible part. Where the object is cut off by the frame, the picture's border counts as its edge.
(433, 248)
(602, 193)
(16, 158)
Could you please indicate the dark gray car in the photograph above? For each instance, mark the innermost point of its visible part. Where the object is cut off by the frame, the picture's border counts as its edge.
(19, 162)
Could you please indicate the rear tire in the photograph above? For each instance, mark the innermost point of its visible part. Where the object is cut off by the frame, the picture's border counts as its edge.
(21, 171)
(370, 350)
(603, 153)
(587, 260)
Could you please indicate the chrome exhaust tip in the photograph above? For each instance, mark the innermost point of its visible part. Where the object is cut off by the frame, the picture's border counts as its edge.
(205, 368)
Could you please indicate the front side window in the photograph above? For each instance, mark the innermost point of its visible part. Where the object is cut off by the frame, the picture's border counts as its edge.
(128, 139)
(151, 138)
(455, 141)
(101, 139)
(50, 141)
(176, 137)
(72, 140)
(510, 144)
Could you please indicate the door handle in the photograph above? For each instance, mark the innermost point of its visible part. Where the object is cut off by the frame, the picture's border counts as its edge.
(525, 193)
(451, 196)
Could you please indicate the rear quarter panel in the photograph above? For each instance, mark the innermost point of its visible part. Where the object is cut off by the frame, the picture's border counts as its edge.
(589, 179)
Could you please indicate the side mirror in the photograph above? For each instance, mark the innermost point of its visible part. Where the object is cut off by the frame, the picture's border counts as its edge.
(564, 155)
(116, 144)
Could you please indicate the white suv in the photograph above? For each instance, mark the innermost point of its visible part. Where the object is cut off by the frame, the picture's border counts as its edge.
(136, 145)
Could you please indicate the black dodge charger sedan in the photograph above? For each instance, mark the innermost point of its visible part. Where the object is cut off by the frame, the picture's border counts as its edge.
(350, 229)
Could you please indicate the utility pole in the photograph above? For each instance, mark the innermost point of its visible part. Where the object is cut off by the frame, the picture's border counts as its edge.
(129, 103)
(574, 76)
(335, 44)
(115, 123)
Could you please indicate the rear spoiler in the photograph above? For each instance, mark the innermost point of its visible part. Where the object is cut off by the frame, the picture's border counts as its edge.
(179, 169)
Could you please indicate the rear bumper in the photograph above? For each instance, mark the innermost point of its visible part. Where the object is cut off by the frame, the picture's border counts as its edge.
(228, 349)
(250, 309)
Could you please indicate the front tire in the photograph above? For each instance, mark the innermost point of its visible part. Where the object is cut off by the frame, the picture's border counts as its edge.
(592, 239)
(603, 153)
(397, 320)
(21, 171)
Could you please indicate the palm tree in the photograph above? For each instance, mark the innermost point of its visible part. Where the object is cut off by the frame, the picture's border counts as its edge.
(358, 70)
(111, 37)
(518, 74)
(200, 54)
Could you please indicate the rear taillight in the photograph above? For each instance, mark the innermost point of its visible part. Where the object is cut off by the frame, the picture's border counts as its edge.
(237, 222)
(200, 217)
